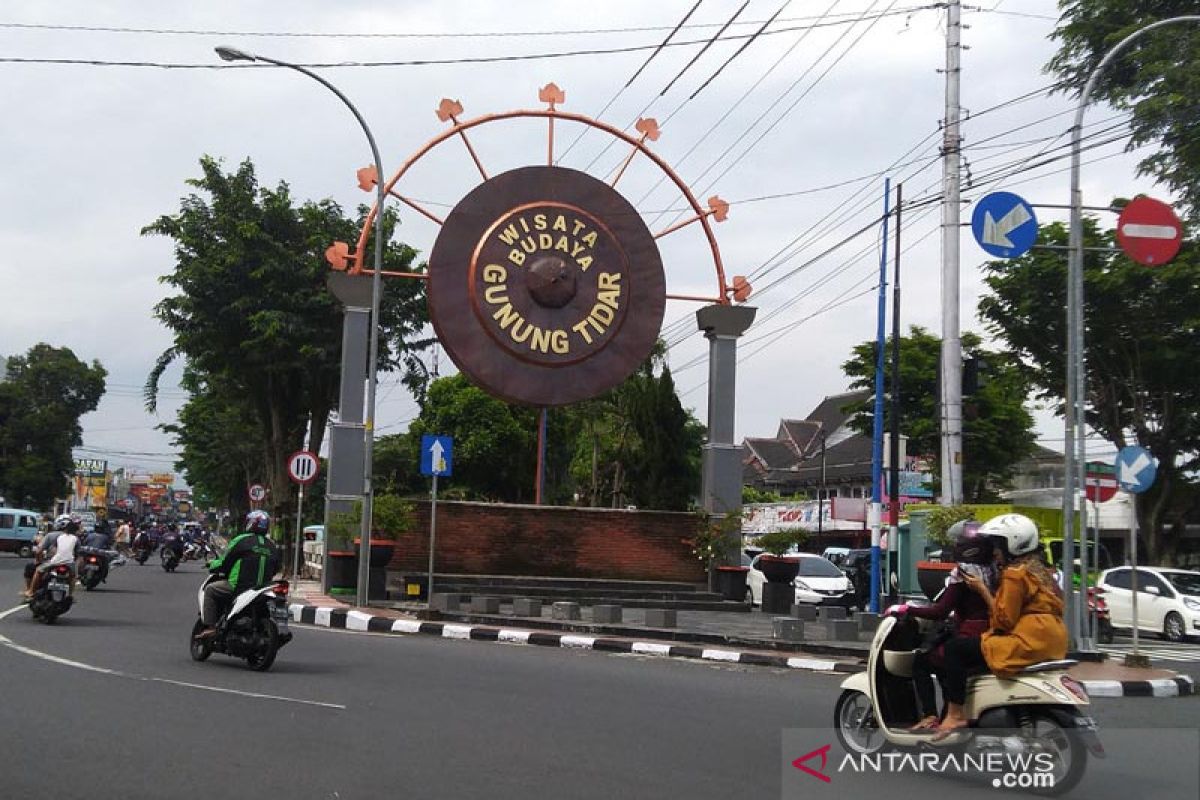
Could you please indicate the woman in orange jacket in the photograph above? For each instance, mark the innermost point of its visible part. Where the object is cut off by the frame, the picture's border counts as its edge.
(1025, 616)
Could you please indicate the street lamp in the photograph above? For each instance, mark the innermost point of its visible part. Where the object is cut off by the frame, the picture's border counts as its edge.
(364, 550)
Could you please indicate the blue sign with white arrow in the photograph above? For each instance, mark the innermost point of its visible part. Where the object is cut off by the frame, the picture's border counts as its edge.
(437, 455)
(1135, 469)
(1004, 225)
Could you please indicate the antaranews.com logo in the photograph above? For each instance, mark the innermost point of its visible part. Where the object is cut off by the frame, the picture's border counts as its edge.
(1016, 769)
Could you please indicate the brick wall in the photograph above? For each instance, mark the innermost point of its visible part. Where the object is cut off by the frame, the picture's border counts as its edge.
(551, 541)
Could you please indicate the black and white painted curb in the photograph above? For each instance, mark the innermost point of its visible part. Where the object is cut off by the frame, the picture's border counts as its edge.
(352, 620)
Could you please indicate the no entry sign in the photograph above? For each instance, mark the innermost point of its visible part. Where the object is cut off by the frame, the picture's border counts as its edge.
(1100, 482)
(1149, 232)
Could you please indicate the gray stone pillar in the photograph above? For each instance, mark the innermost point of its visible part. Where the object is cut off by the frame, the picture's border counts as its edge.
(344, 482)
(722, 325)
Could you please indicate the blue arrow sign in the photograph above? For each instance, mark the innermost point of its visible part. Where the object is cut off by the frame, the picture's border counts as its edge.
(1135, 469)
(436, 455)
(1004, 225)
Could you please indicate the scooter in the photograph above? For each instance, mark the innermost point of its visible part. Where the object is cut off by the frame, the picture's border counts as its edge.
(170, 558)
(1041, 710)
(96, 564)
(253, 629)
(53, 596)
(141, 551)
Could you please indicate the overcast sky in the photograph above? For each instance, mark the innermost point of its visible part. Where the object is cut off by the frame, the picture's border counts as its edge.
(94, 153)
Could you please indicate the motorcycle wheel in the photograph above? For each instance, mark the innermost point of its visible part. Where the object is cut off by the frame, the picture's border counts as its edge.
(92, 581)
(1070, 754)
(264, 658)
(200, 648)
(854, 724)
(1105, 633)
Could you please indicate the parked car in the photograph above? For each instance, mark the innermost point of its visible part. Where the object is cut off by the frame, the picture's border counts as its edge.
(818, 582)
(836, 555)
(1168, 600)
(17, 529)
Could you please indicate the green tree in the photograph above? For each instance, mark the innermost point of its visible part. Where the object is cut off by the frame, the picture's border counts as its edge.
(997, 428)
(46, 392)
(252, 317)
(1157, 78)
(1142, 334)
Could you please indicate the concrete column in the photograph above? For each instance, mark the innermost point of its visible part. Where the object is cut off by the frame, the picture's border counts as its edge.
(344, 481)
(722, 325)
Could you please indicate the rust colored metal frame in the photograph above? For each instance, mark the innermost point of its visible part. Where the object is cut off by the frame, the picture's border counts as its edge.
(459, 129)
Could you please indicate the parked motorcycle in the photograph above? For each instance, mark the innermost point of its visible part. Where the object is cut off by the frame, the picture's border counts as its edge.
(254, 628)
(1041, 710)
(1099, 608)
(53, 596)
(170, 558)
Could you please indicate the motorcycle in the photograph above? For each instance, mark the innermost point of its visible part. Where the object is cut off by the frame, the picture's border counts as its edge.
(1040, 711)
(170, 558)
(141, 551)
(1098, 607)
(96, 564)
(254, 628)
(53, 596)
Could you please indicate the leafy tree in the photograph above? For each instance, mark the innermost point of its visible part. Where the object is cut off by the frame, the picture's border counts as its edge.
(46, 392)
(1142, 333)
(997, 428)
(666, 475)
(1157, 77)
(252, 317)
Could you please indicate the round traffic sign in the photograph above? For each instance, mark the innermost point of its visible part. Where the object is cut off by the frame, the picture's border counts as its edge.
(1100, 482)
(302, 466)
(258, 492)
(1149, 232)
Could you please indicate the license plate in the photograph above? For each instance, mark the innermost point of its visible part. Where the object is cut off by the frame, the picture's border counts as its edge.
(280, 613)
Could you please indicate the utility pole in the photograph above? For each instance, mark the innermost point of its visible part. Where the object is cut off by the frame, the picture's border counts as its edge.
(894, 448)
(951, 399)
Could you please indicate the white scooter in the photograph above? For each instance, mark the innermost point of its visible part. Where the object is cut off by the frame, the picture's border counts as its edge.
(254, 628)
(1041, 710)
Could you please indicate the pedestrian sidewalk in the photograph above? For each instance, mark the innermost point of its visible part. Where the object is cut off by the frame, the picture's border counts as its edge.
(744, 638)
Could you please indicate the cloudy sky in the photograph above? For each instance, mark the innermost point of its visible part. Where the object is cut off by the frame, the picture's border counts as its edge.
(796, 133)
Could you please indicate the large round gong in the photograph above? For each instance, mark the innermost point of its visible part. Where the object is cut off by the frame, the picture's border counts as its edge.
(545, 286)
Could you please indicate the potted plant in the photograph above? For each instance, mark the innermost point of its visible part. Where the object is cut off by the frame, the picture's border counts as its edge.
(715, 541)
(390, 516)
(931, 575)
(774, 564)
(342, 562)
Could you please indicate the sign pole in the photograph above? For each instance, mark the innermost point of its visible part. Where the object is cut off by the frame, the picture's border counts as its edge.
(298, 538)
(432, 541)
(1133, 575)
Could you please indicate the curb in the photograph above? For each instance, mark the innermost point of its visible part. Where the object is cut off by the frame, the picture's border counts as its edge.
(352, 620)
(1180, 686)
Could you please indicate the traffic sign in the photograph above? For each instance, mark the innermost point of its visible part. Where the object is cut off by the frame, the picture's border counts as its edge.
(1100, 482)
(257, 492)
(303, 467)
(1004, 225)
(436, 455)
(1149, 232)
(1135, 469)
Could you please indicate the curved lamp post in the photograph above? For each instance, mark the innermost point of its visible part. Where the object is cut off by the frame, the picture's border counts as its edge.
(364, 550)
(1075, 422)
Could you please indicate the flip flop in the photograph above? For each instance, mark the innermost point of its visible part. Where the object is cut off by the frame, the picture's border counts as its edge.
(946, 733)
(928, 724)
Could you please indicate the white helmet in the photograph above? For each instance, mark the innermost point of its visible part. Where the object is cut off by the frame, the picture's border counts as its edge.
(1018, 532)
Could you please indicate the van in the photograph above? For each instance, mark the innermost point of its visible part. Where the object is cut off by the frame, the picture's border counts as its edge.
(17, 529)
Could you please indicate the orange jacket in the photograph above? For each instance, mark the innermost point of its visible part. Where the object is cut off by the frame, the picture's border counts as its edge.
(1027, 625)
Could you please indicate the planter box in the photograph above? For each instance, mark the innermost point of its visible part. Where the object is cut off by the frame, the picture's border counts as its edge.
(731, 582)
(343, 569)
(381, 551)
(931, 576)
(779, 569)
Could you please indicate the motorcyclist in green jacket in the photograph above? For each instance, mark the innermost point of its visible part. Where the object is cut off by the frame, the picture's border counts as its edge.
(249, 562)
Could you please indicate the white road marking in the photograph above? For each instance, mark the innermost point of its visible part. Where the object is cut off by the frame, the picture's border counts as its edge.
(66, 662)
(720, 655)
(585, 642)
(652, 648)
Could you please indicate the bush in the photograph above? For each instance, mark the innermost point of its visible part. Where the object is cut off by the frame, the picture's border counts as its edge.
(778, 543)
(941, 519)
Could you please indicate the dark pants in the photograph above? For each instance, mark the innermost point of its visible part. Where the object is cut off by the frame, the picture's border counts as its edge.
(217, 597)
(923, 669)
(964, 657)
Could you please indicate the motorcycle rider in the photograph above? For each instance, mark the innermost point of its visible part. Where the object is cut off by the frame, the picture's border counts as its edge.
(1025, 616)
(249, 562)
(173, 541)
(63, 543)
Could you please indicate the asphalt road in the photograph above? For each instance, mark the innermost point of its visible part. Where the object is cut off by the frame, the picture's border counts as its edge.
(345, 715)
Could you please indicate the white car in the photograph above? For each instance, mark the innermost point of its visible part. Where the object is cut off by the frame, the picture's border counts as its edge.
(1168, 600)
(819, 582)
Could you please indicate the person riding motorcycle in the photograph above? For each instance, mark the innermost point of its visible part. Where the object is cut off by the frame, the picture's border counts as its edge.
(1025, 616)
(173, 541)
(965, 613)
(249, 562)
(62, 541)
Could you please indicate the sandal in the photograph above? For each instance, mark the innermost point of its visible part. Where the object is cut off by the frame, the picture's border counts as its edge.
(944, 732)
(926, 724)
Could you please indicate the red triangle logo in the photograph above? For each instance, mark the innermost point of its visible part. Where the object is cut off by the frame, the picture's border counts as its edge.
(823, 752)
